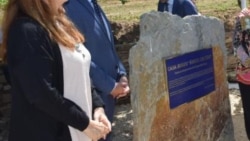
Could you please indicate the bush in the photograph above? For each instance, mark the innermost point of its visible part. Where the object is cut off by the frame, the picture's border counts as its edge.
(3, 3)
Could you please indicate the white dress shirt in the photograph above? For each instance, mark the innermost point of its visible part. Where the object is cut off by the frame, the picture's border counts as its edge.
(170, 6)
(77, 86)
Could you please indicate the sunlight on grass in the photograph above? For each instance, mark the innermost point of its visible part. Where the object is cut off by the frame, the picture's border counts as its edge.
(133, 9)
(215, 7)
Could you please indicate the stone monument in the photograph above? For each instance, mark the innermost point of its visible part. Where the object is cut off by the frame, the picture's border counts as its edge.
(164, 36)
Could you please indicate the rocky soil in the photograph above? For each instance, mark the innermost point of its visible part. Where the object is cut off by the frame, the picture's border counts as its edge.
(123, 123)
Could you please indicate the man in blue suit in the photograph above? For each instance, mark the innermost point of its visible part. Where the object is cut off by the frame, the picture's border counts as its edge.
(107, 72)
(181, 8)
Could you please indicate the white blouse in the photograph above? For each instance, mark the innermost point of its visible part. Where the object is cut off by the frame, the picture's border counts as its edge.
(77, 87)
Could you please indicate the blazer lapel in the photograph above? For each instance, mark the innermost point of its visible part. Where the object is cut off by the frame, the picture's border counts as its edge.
(89, 8)
(109, 27)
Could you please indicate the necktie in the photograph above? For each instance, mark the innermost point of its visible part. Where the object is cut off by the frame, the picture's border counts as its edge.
(98, 12)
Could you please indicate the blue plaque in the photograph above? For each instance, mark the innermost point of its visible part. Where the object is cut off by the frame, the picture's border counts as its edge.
(190, 76)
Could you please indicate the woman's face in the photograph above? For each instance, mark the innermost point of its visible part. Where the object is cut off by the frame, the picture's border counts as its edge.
(55, 5)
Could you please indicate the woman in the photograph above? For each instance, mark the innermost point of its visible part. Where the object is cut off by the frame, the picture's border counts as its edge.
(241, 40)
(49, 69)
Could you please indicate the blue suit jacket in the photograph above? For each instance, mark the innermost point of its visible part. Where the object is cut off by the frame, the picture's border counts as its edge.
(181, 8)
(106, 67)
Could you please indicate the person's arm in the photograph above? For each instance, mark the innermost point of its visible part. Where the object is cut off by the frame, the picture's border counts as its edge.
(101, 80)
(97, 102)
(244, 13)
(104, 83)
(238, 28)
(122, 70)
(31, 61)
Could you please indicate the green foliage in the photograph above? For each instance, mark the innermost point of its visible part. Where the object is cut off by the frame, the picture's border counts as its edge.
(3, 3)
(124, 1)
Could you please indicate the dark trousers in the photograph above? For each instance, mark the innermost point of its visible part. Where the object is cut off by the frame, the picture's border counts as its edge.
(245, 96)
(162, 6)
(6, 73)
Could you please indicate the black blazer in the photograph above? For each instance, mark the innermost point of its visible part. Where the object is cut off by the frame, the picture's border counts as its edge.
(39, 111)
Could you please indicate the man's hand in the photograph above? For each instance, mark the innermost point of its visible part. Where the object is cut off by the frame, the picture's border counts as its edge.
(126, 92)
(118, 89)
(124, 82)
(244, 13)
(121, 88)
(124, 79)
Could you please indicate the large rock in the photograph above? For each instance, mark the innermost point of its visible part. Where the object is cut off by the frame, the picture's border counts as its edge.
(164, 35)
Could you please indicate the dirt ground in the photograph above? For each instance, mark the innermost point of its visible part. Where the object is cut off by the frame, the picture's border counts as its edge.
(123, 123)
(237, 115)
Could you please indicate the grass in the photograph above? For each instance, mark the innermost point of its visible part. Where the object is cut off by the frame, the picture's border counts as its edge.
(130, 11)
(133, 9)
(217, 7)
